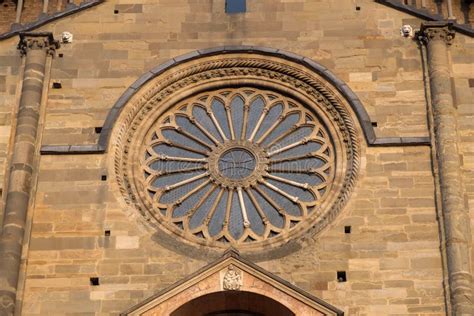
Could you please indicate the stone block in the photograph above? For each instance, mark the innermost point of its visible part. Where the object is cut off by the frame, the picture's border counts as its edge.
(394, 263)
(127, 242)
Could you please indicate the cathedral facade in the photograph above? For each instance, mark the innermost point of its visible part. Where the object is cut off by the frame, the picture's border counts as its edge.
(260, 157)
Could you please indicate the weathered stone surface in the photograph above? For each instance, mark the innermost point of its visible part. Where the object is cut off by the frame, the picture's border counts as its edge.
(36, 47)
(391, 256)
(457, 230)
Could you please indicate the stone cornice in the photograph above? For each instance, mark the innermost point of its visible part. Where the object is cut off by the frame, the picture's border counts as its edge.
(436, 31)
(37, 41)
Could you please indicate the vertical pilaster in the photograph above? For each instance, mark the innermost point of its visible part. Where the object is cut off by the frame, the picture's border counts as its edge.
(35, 48)
(437, 36)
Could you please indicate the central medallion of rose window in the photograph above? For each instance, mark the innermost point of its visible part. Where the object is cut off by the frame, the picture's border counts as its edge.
(237, 165)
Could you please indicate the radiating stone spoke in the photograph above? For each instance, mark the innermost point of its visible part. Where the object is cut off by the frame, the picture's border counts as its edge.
(299, 157)
(205, 131)
(294, 183)
(271, 128)
(258, 207)
(213, 207)
(184, 170)
(181, 183)
(274, 204)
(216, 124)
(243, 208)
(192, 137)
(174, 158)
(190, 193)
(194, 150)
(245, 121)
(287, 147)
(225, 223)
(203, 199)
(287, 133)
(228, 111)
(259, 122)
(292, 198)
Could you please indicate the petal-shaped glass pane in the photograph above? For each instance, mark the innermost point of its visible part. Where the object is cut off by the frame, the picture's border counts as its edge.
(237, 110)
(220, 113)
(255, 112)
(204, 120)
(270, 118)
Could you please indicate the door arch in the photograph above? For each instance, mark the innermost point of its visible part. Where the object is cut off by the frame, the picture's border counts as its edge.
(232, 303)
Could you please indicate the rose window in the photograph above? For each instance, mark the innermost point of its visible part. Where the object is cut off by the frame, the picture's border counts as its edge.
(237, 165)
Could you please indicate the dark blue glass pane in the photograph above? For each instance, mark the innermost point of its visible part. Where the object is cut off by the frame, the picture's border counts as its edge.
(235, 6)
(215, 225)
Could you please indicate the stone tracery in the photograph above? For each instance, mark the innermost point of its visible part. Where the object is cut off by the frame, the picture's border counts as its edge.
(301, 90)
(238, 165)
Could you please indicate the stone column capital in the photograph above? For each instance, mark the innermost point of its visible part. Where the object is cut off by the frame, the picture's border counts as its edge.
(436, 31)
(37, 41)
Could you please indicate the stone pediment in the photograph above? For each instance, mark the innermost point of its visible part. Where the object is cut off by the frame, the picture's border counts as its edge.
(239, 280)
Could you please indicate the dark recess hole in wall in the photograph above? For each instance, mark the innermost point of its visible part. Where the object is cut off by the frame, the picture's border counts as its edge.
(375, 124)
(116, 11)
(347, 229)
(103, 177)
(94, 281)
(107, 233)
(341, 276)
(57, 85)
(98, 130)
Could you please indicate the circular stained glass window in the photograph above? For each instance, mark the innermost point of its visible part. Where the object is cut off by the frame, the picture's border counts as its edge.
(237, 165)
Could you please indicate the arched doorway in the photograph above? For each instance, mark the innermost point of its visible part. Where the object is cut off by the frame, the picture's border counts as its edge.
(232, 303)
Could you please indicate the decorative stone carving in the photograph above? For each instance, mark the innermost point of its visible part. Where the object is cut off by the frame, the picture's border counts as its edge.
(258, 169)
(406, 31)
(437, 32)
(66, 37)
(207, 75)
(37, 41)
(232, 280)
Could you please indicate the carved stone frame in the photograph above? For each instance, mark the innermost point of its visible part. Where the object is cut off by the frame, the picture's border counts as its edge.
(220, 71)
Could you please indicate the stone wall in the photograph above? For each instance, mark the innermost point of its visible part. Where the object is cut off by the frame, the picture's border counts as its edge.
(9, 77)
(392, 255)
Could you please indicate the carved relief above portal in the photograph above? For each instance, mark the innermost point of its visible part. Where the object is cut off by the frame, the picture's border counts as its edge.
(232, 279)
